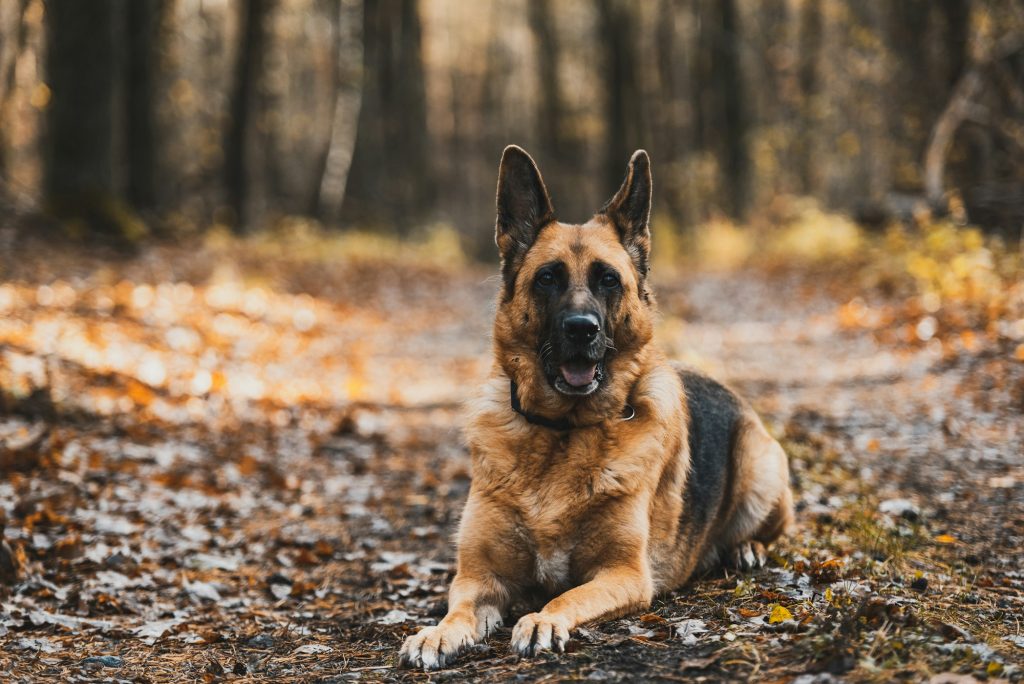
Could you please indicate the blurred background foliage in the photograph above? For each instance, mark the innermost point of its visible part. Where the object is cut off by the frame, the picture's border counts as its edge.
(811, 119)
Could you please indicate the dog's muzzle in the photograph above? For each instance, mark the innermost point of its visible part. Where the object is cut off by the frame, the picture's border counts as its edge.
(582, 346)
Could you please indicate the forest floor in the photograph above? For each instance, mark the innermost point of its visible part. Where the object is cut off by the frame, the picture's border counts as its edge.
(247, 466)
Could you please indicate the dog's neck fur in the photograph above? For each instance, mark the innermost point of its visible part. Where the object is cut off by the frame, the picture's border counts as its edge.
(557, 424)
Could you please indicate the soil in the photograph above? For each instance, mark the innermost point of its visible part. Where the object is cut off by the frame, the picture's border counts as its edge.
(227, 468)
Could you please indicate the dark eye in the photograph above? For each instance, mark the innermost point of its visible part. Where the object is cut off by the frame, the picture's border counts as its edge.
(545, 279)
(610, 281)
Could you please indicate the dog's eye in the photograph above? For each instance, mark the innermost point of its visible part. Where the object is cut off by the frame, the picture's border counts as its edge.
(609, 281)
(545, 279)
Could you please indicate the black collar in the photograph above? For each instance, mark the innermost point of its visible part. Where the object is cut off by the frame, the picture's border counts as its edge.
(558, 424)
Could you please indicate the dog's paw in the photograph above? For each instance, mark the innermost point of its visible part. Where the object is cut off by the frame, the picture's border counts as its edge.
(537, 632)
(749, 556)
(433, 648)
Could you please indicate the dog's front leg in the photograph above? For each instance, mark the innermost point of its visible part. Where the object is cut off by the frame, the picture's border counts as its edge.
(614, 591)
(478, 595)
(474, 610)
(620, 582)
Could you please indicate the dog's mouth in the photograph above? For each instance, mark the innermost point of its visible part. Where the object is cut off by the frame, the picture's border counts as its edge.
(579, 378)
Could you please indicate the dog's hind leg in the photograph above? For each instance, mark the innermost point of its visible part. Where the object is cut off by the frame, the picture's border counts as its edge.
(764, 503)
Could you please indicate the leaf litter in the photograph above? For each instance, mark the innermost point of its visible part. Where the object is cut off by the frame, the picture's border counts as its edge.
(218, 467)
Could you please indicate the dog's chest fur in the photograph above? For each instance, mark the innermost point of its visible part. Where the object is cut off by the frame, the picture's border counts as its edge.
(556, 489)
(561, 490)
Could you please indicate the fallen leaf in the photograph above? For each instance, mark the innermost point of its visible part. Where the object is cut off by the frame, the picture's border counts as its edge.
(653, 618)
(202, 590)
(312, 649)
(779, 614)
(687, 630)
(151, 631)
(42, 644)
(698, 663)
(394, 617)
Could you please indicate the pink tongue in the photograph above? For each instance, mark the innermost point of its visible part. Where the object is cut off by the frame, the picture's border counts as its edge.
(579, 377)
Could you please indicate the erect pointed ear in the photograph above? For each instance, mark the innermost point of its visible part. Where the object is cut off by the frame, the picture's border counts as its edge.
(523, 208)
(630, 210)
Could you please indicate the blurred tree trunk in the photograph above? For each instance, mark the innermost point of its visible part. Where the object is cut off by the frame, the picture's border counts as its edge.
(956, 16)
(809, 53)
(549, 102)
(774, 87)
(240, 147)
(12, 42)
(346, 21)
(623, 97)
(928, 41)
(390, 181)
(143, 24)
(317, 205)
(915, 98)
(8, 64)
(81, 72)
(559, 153)
(673, 128)
(727, 78)
(722, 117)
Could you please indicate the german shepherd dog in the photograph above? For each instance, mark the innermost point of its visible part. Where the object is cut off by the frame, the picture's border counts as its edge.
(602, 475)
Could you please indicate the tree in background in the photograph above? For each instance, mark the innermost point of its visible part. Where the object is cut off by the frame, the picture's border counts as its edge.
(550, 110)
(13, 38)
(720, 95)
(624, 115)
(81, 73)
(95, 174)
(242, 148)
(333, 164)
(809, 53)
(176, 110)
(141, 135)
(390, 182)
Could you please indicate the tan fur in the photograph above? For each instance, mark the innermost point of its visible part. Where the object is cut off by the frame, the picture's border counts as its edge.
(589, 518)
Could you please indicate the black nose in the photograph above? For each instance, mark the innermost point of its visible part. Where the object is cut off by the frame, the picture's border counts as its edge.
(581, 328)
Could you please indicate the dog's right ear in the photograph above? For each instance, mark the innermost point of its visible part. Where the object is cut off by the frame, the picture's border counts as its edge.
(524, 207)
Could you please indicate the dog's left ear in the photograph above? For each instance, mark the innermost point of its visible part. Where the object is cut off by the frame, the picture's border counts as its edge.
(630, 210)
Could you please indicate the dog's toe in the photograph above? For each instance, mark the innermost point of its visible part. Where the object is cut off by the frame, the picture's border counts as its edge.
(433, 647)
(535, 633)
(749, 556)
(760, 554)
(411, 653)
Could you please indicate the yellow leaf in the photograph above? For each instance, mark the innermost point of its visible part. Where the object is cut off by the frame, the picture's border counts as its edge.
(779, 614)
(945, 539)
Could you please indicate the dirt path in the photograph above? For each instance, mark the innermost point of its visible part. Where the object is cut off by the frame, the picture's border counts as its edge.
(288, 515)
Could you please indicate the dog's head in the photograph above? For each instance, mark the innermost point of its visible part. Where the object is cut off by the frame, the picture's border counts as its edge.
(575, 308)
